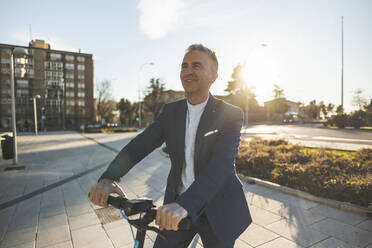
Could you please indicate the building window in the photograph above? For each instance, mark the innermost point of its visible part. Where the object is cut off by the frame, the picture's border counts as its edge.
(20, 72)
(5, 81)
(81, 86)
(5, 61)
(70, 84)
(5, 52)
(80, 59)
(54, 83)
(69, 66)
(22, 92)
(5, 92)
(80, 76)
(81, 94)
(54, 66)
(54, 75)
(69, 75)
(21, 61)
(70, 94)
(70, 103)
(55, 56)
(69, 58)
(70, 111)
(5, 70)
(22, 83)
(81, 67)
(81, 103)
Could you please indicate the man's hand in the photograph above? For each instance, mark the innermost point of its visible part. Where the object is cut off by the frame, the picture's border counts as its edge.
(100, 192)
(169, 215)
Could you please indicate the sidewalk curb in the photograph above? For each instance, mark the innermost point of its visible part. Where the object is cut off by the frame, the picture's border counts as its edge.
(333, 203)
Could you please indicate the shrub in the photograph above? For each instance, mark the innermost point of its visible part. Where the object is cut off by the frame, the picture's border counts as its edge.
(341, 120)
(339, 175)
(358, 119)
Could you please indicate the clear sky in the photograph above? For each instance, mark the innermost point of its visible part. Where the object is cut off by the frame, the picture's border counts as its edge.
(302, 56)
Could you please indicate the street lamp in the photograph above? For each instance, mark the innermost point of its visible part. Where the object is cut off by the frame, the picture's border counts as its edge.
(18, 52)
(35, 112)
(139, 92)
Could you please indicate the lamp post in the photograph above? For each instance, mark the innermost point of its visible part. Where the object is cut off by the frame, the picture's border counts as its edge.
(35, 112)
(139, 92)
(18, 52)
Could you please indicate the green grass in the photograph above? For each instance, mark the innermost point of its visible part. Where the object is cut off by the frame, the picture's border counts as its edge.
(340, 175)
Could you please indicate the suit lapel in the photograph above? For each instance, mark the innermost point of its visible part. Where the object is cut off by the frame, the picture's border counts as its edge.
(180, 131)
(205, 123)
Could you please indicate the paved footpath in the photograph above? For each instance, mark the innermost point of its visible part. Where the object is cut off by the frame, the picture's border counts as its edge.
(64, 217)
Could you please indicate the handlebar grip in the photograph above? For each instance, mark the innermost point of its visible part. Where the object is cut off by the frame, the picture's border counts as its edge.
(114, 201)
(185, 224)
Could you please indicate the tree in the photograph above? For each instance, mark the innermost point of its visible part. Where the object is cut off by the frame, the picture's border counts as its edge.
(330, 107)
(154, 100)
(127, 111)
(339, 110)
(240, 93)
(105, 101)
(312, 110)
(358, 99)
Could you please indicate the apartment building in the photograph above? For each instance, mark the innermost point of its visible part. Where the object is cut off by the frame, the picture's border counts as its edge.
(62, 79)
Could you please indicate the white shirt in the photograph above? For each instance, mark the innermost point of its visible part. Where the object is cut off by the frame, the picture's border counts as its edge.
(194, 112)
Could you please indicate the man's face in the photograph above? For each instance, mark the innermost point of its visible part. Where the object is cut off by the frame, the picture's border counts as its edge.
(197, 72)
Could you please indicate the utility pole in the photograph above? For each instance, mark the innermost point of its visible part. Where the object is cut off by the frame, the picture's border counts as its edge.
(342, 62)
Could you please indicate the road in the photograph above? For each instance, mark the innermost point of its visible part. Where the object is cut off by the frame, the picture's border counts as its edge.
(312, 135)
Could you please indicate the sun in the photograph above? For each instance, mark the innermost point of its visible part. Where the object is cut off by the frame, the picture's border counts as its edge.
(260, 71)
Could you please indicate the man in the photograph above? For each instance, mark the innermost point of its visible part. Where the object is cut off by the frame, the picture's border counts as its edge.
(202, 134)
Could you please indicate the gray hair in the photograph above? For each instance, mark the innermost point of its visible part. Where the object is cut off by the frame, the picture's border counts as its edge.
(209, 52)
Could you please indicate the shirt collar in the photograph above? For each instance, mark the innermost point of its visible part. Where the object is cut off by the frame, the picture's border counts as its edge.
(197, 107)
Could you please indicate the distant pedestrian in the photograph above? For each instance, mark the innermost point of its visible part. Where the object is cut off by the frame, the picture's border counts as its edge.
(202, 135)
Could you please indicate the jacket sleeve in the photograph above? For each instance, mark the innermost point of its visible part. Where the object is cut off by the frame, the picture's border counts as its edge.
(221, 167)
(138, 148)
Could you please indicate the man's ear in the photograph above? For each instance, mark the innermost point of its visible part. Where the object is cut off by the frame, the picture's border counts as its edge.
(215, 76)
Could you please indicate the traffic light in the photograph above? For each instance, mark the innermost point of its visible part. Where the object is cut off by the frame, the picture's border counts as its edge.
(137, 119)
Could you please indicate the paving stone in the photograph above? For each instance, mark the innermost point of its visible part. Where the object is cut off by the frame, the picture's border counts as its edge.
(67, 244)
(366, 225)
(5, 217)
(241, 244)
(332, 243)
(147, 244)
(92, 236)
(280, 243)
(53, 221)
(298, 215)
(262, 217)
(79, 209)
(263, 202)
(299, 234)
(256, 235)
(83, 220)
(339, 215)
(18, 237)
(121, 236)
(347, 233)
(52, 235)
(25, 245)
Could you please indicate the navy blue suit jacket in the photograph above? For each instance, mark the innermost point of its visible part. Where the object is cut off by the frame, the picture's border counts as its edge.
(217, 190)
